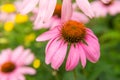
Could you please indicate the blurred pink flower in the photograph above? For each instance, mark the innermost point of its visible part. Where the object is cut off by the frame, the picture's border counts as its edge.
(82, 41)
(18, 4)
(13, 64)
(4, 17)
(56, 18)
(102, 8)
(46, 9)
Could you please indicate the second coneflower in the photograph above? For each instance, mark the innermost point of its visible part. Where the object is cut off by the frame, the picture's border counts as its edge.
(83, 43)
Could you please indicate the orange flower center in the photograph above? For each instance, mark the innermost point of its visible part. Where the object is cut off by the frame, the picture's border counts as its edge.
(73, 31)
(7, 67)
(57, 10)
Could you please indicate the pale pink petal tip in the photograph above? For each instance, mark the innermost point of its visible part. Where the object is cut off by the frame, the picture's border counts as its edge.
(73, 58)
(59, 57)
(48, 35)
(66, 10)
(85, 6)
(92, 50)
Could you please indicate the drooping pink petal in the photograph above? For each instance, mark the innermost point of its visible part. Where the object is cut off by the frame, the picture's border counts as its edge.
(12, 76)
(99, 9)
(26, 70)
(77, 16)
(105, 1)
(82, 55)
(59, 56)
(54, 22)
(66, 10)
(114, 8)
(20, 77)
(84, 5)
(17, 53)
(73, 58)
(5, 56)
(4, 77)
(29, 59)
(23, 56)
(52, 46)
(90, 32)
(48, 35)
(28, 5)
(92, 50)
(46, 9)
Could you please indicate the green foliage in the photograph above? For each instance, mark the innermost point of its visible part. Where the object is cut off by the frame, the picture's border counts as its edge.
(107, 30)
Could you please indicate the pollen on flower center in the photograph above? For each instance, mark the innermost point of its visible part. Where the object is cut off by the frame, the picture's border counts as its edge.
(73, 31)
(57, 10)
(7, 67)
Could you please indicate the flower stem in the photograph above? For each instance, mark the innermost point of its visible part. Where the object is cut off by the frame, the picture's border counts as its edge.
(75, 75)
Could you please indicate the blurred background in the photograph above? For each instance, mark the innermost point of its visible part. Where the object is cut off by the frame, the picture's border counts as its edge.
(17, 29)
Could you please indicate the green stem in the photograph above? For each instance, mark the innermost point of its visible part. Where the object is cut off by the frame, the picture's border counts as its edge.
(55, 74)
(75, 75)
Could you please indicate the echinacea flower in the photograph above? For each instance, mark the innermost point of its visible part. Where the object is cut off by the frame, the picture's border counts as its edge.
(83, 43)
(56, 18)
(102, 8)
(46, 8)
(13, 64)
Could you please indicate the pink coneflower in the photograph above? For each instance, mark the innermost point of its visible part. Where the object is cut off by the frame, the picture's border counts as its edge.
(13, 64)
(83, 43)
(56, 18)
(46, 8)
(102, 8)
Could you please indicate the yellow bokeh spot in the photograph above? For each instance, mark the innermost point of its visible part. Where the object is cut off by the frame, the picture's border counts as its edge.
(8, 26)
(8, 8)
(21, 18)
(3, 41)
(29, 38)
(36, 63)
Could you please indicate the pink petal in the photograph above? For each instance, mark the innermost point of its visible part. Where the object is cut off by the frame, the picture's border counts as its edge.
(28, 6)
(66, 10)
(114, 8)
(13, 76)
(26, 70)
(17, 53)
(84, 5)
(46, 9)
(73, 58)
(105, 1)
(48, 35)
(59, 56)
(77, 16)
(51, 48)
(4, 77)
(55, 21)
(20, 77)
(90, 32)
(29, 59)
(99, 9)
(92, 50)
(82, 55)
(23, 56)
(5, 55)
